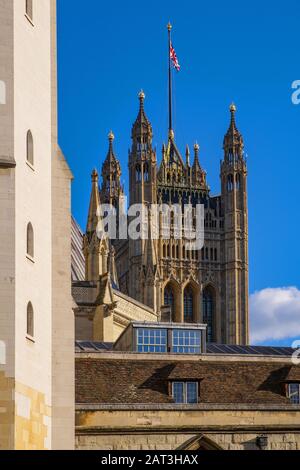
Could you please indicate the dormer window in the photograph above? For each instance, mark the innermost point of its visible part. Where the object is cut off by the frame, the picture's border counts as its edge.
(293, 392)
(185, 392)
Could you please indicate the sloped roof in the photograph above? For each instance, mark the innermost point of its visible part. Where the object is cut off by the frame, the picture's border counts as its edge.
(140, 381)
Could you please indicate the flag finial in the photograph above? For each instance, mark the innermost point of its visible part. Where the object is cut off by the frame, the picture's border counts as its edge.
(142, 95)
(169, 26)
(232, 108)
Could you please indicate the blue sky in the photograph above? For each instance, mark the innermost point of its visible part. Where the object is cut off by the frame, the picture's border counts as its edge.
(229, 51)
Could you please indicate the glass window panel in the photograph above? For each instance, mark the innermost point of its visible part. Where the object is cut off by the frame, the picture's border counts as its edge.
(178, 394)
(192, 392)
(186, 341)
(152, 340)
(294, 393)
(185, 392)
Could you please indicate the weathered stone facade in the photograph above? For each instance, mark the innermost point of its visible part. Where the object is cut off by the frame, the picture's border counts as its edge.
(36, 390)
(123, 402)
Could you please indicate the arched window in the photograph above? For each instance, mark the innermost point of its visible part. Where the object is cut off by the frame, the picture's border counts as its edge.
(138, 174)
(29, 9)
(29, 148)
(146, 173)
(230, 183)
(238, 181)
(169, 299)
(30, 320)
(30, 241)
(188, 305)
(208, 313)
(164, 251)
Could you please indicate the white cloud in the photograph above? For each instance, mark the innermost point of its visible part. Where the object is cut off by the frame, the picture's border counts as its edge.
(275, 314)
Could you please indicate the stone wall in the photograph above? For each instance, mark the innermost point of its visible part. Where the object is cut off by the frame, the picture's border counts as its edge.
(165, 441)
(156, 428)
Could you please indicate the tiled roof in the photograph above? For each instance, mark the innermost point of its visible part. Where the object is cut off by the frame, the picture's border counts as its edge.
(104, 380)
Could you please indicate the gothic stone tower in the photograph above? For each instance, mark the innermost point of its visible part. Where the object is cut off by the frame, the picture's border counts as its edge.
(209, 285)
(234, 206)
(143, 262)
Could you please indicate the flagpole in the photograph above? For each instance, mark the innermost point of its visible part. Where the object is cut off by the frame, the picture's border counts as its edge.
(170, 78)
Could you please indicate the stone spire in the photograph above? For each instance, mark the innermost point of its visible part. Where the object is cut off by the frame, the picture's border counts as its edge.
(196, 165)
(142, 126)
(233, 140)
(93, 214)
(111, 188)
(111, 155)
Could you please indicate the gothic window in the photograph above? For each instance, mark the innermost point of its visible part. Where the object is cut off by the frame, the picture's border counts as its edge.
(138, 174)
(183, 252)
(30, 321)
(208, 313)
(164, 251)
(212, 254)
(230, 156)
(238, 181)
(216, 254)
(177, 252)
(29, 8)
(230, 183)
(30, 241)
(146, 172)
(169, 299)
(188, 305)
(29, 148)
(168, 251)
(206, 254)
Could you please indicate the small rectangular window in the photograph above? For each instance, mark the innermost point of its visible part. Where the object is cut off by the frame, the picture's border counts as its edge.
(185, 392)
(294, 393)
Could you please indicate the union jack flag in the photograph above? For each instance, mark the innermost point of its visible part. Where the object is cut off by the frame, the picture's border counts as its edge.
(174, 58)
